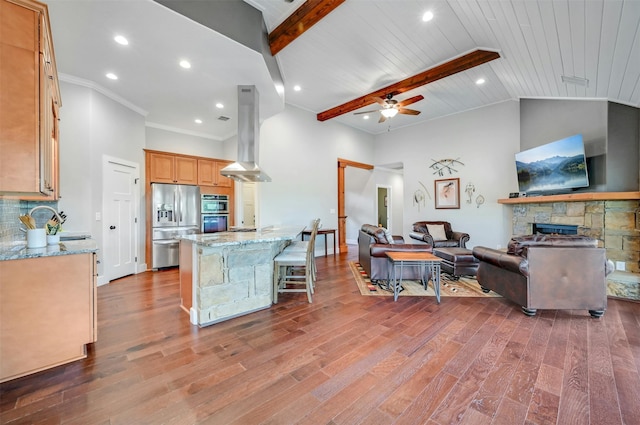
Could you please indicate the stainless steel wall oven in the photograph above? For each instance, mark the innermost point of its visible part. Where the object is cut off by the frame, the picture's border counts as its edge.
(218, 204)
(214, 215)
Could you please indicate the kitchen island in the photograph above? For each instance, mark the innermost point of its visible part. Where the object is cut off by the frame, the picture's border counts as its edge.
(229, 274)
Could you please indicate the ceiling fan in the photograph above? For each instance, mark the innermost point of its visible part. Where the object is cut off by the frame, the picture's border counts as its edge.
(391, 107)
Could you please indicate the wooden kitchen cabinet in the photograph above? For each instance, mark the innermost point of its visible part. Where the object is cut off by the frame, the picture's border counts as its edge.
(209, 173)
(29, 107)
(168, 168)
(47, 312)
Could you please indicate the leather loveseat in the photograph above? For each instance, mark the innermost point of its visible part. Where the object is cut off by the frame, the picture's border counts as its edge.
(450, 238)
(547, 272)
(373, 244)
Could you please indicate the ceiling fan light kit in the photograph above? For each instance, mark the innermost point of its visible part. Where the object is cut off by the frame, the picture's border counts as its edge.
(389, 112)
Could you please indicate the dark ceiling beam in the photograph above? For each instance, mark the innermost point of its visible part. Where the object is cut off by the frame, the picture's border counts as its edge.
(462, 63)
(307, 15)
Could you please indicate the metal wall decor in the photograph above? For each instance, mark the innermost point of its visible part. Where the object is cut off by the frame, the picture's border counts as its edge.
(419, 196)
(443, 165)
(469, 189)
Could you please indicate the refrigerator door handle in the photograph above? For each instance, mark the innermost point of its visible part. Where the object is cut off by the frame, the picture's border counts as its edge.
(175, 206)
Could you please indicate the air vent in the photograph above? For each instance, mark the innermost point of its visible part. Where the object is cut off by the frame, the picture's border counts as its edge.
(223, 118)
(578, 81)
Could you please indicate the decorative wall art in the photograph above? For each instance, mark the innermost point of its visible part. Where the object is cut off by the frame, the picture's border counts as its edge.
(443, 165)
(420, 195)
(469, 189)
(447, 193)
(479, 201)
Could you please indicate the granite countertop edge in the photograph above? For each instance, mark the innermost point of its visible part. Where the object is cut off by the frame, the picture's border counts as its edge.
(18, 250)
(268, 234)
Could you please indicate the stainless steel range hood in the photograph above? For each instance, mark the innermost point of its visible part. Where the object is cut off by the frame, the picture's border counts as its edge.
(246, 169)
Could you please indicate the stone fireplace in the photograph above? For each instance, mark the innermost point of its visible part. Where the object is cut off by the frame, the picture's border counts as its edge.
(614, 222)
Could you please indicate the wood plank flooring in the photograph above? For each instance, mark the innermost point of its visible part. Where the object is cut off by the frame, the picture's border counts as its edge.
(345, 359)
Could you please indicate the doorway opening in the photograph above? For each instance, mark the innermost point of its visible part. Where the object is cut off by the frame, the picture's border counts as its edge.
(383, 206)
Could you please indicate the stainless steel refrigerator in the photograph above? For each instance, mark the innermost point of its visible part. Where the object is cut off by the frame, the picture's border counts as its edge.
(175, 211)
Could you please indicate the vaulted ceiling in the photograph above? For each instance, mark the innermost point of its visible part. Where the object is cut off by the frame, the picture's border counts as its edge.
(360, 47)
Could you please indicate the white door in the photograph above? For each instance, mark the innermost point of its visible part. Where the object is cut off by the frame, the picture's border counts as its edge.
(119, 221)
(248, 204)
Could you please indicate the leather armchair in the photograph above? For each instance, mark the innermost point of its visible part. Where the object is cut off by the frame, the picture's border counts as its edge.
(373, 245)
(454, 239)
(547, 272)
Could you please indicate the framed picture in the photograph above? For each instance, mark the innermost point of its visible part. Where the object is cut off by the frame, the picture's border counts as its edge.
(447, 193)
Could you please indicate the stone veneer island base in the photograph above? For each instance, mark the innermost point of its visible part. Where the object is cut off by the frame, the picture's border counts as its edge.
(229, 274)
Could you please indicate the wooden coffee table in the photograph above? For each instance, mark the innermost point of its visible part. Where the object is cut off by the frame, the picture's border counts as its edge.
(398, 260)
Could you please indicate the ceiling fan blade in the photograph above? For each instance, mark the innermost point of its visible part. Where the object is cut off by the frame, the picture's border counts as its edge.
(382, 119)
(378, 100)
(408, 111)
(366, 112)
(411, 100)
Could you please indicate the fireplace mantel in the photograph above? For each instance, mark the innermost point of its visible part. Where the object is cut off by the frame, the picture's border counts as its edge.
(573, 197)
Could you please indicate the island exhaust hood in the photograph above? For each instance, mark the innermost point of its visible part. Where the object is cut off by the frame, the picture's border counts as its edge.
(246, 168)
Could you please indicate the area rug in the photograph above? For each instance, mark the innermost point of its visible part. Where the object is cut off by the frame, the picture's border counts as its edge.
(464, 287)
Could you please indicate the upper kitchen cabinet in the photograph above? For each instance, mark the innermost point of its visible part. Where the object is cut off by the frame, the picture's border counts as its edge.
(29, 103)
(209, 173)
(170, 168)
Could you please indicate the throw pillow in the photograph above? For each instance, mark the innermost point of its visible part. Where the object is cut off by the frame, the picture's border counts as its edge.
(388, 235)
(437, 232)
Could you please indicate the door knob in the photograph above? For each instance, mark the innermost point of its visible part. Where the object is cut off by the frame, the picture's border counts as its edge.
(112, 227)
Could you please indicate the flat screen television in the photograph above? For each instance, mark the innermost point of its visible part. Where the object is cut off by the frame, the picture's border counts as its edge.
(556, 167)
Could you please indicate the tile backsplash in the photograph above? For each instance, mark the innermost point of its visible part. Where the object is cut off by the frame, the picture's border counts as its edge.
(11, 209)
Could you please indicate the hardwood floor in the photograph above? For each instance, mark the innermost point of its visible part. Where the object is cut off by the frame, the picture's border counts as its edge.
(344, 359)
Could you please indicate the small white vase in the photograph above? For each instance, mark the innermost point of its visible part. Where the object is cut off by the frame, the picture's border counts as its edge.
(53, 239)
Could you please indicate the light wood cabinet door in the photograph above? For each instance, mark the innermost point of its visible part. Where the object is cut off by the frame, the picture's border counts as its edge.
(28, 77)
(206, 172)
(209, 173)
(47, 312)
(222, 181)
(186, 170)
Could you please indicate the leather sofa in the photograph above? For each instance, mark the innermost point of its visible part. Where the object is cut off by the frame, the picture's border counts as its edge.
(453, 239)
(547, 272)
(373, 244)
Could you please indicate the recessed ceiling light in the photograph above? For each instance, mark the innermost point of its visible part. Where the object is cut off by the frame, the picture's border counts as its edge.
(428, 15)
(185, 64)
(198, 121)
(219, 105)
(121, 40)
(112, 76)
(480, 81)
(297, 88)
(366, 117)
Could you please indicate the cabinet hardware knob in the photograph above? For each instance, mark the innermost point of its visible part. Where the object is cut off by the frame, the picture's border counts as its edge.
(112, 227)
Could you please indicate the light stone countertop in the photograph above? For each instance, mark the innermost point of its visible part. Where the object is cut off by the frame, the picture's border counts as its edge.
(18, 250)
(265, 234)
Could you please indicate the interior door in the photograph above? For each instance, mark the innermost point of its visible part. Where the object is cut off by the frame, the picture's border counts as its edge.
(248, 204)
(120, 212)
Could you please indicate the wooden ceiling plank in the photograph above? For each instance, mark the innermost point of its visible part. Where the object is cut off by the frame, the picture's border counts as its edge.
(307, 15)
(470, 60)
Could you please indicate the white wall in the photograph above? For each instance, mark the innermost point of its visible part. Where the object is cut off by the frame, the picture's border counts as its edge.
(91, 126)
(170, 141)
(300, 154)
(485, 140)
